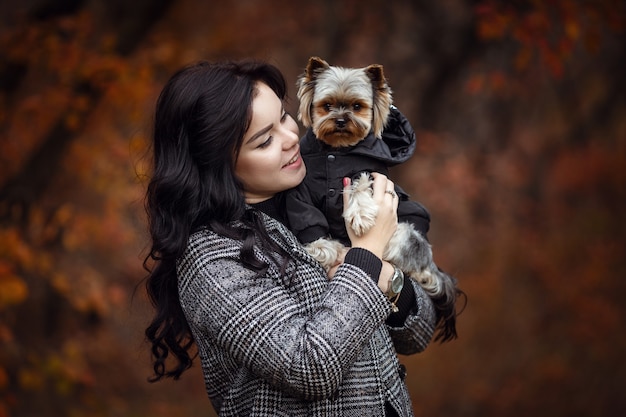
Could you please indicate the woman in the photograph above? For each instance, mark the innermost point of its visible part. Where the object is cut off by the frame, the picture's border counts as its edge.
(275, 335)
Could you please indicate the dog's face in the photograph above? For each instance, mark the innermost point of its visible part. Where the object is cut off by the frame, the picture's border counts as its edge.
(342, 105)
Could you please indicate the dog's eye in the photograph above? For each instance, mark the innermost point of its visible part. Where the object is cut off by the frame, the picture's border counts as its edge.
(327, 107)
(356, 107)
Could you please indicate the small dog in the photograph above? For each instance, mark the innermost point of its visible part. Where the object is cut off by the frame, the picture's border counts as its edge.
(342, 106)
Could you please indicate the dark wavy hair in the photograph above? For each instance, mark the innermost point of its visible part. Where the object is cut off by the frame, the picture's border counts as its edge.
(200, 120)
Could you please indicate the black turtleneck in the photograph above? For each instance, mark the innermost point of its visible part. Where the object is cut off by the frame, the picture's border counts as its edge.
(274, 207)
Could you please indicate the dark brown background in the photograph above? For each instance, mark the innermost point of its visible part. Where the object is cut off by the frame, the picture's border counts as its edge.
(521, 119)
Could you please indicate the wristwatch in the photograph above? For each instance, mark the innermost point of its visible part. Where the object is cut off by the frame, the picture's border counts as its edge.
(397, 282)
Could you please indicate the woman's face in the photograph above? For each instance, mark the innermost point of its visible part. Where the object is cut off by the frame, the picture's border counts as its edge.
(269, 159)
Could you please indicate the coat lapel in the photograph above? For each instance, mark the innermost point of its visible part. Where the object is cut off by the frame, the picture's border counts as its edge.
(287, 240)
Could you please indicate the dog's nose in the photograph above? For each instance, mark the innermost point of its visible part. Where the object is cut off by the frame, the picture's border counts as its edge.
(341, 123)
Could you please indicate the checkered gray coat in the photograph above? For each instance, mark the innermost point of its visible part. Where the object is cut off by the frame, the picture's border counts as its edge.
(296, 345)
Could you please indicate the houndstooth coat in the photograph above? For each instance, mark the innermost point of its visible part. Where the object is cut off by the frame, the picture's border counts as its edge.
(297, 345)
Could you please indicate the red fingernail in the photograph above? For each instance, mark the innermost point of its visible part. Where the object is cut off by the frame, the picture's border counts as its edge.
(346, 181)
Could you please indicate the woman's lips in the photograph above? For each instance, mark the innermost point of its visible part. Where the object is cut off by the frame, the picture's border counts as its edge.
(294, 160)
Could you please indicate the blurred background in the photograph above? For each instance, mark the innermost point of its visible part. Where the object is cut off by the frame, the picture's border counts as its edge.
(520, 112)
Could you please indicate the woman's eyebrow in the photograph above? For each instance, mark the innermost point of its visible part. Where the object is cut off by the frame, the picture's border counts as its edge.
(260, 133)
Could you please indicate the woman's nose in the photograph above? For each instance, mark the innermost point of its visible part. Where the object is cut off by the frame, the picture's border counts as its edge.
(292, 139)
(291, 134)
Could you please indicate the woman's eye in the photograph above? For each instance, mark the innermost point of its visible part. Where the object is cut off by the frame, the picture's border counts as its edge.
(265, 144)
(284, 117)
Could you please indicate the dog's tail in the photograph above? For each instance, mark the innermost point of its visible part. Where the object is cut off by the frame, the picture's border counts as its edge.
(446, 307)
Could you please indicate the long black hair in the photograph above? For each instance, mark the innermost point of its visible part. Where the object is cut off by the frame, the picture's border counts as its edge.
(201, 116)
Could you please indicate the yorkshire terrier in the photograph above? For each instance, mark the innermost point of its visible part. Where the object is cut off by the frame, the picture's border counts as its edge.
(347, 110)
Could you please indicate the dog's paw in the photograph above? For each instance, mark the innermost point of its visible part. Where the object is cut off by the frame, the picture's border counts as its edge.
(325, 251)
(361, 212)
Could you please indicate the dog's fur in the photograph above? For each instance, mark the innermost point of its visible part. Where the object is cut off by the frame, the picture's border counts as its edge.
(342, 105)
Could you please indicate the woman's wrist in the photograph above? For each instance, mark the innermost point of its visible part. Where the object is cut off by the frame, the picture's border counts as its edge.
(384, 279)
(370, 244)
(365, 260)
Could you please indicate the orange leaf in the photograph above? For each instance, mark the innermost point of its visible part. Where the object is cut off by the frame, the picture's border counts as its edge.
(13, 290)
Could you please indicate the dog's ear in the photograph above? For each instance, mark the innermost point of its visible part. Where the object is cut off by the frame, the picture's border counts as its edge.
(382, 98)
(305, 95)
(315, 66)
(306, 88)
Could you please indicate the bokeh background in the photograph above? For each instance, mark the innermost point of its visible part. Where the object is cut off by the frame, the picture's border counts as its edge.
(520, 112)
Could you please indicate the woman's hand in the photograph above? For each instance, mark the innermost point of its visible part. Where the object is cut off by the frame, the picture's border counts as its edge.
(340, 258)
(375, 239)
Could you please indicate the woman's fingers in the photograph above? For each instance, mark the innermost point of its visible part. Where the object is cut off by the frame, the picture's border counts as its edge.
(346, 188)
(379, 186)
(384, 189)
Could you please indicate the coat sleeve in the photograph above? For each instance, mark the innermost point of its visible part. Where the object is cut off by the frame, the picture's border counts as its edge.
(265, 328)
(418, 328)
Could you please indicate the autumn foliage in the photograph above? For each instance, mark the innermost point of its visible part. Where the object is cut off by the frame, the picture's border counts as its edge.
(521, 117)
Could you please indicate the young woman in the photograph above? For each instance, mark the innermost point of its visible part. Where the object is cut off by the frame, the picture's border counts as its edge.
(275, 335)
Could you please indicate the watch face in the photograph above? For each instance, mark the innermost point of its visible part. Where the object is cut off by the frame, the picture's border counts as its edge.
(397, 282)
